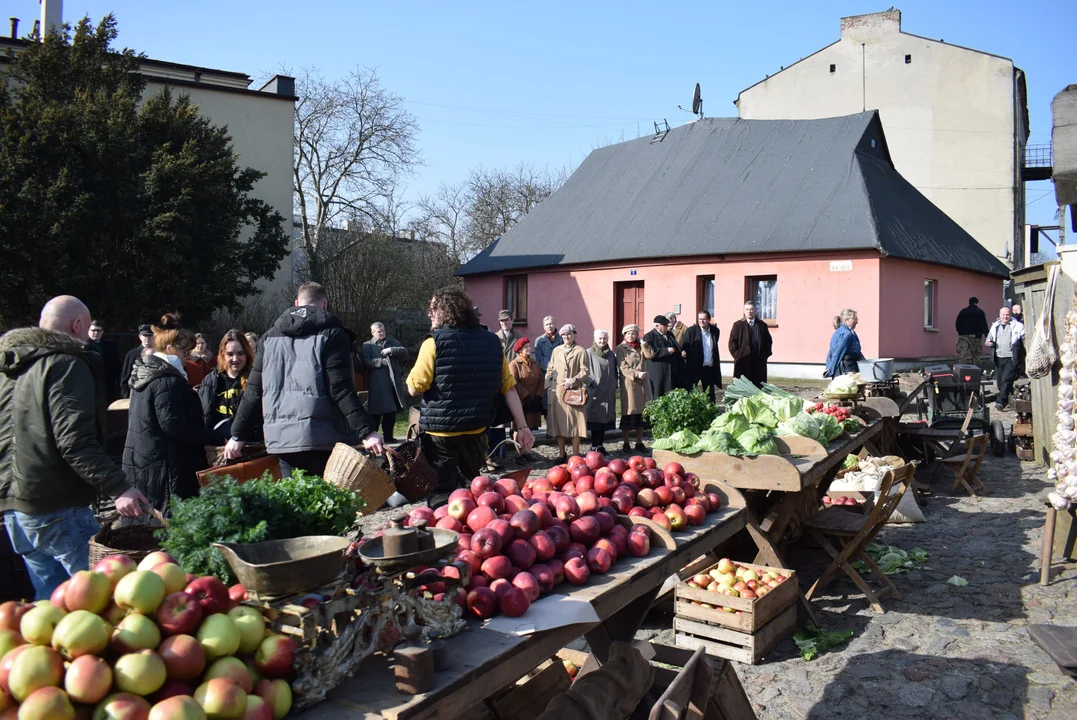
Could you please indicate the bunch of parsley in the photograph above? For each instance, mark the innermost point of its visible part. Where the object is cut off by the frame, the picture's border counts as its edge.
(253, 512)
(680, 410)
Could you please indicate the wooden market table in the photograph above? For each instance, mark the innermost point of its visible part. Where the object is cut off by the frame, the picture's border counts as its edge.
(796, 474)
(483, 661)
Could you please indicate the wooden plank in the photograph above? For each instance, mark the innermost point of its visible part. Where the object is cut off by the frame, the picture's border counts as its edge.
(1022, 430)
(733, 645)
(1060, 643)
(533, 694)
(763, 472)
(716, 649)
(799, 445)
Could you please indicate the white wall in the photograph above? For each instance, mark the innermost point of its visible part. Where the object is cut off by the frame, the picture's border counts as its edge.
(950, 117)
(261, 127)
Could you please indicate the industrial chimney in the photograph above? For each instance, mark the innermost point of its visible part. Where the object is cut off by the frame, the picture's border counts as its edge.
(14, 28)
(52, 16)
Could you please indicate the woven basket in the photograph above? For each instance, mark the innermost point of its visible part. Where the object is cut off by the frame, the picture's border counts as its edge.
(351, 470)
(134, 541)
(410, 471)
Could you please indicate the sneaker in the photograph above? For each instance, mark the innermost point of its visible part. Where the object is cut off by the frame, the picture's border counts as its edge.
(396, 500)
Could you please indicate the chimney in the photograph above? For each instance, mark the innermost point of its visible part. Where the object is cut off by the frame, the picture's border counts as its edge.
(14, 28)
(52, 16)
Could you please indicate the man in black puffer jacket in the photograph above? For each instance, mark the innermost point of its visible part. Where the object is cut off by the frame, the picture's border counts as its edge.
(301, 390)
(53, 461)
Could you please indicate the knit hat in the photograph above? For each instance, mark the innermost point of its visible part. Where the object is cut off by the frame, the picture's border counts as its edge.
(661, 320)
(519, 345)
(567, 328)
(630, 328)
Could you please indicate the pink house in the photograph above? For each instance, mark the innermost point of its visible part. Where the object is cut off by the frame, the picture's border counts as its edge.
(806, 217)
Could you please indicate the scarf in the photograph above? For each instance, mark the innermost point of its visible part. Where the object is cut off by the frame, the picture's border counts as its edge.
(600, 351)
(174, 361)
(633, 345)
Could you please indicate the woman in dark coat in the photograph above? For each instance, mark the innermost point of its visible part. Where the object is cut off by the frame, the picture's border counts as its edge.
(166, 433)
(602, 407)
(223, 386)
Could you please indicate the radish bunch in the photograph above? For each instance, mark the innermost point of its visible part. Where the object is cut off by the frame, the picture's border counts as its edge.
(1064, 456)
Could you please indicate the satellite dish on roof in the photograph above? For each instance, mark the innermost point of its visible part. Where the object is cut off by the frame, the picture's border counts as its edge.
(697, 102)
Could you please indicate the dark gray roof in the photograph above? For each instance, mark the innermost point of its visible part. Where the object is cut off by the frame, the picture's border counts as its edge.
(723, 186)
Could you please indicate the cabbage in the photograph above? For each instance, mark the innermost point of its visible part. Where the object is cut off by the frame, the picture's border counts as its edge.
(720, 442)
(757, 440)
(756, 411)
(805, 425)
(843, 385)
(830, 426)
(786, 408)
(730, 422)
(682, 441)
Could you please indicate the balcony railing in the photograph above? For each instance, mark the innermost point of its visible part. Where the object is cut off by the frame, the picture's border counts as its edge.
(1038, 156)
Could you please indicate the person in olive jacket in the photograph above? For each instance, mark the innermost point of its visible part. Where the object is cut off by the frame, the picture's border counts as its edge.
(53, 461)
(166, 433)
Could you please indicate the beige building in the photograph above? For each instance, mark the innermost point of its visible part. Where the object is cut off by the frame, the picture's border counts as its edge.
(956, 119)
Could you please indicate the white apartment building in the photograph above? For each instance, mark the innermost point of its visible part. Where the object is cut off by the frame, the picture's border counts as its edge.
(956, 119)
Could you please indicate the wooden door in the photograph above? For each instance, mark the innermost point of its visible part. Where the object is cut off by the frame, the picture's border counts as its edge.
(629, 304)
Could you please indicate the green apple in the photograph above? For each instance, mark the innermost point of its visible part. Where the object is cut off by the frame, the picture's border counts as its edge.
(233, 669)
(221, 698)
(141, 591)
(38, 625)
(141, 673)
(251, 626)
(277, 694)
(135, 632)
(79, 633)
(35, 667)
(218, 636)
(179, 707)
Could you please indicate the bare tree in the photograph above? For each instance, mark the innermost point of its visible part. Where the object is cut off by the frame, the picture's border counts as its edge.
(354, 142)
(444, 217)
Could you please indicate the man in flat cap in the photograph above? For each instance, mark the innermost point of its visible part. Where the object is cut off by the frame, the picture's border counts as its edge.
(662, 352)
(507, 335)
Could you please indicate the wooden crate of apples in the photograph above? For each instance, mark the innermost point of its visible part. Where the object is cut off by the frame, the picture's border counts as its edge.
(150, 642)
(520, 543)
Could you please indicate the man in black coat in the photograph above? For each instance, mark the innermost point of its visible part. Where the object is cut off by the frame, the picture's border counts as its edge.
(663, 353)
(145, 338)
(971, 329)
(750, 344)
(701, 354)
(109, 355)
(301, 390)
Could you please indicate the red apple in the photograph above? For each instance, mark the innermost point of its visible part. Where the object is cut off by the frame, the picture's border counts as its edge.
(576, 571)
(605, 483)
(461, 508)
(492, 500)
(647, 498)
(275, 657)
(692, 479)
(662, 520)
(525, 523)
(618, 466)
(650, 463)
(653, 478)
(11, 613)
(664, 495)
(679, 496)
(594, 460)
(673, 468)
(461, 493)
(529, 584)
(557, 475)
(179, 613)
(620, 542)
(542, 512)
(516, 503)
(560, 536)
(183, 656)
(695, 514)
(715, 501)
(472, 560)
(622, 502)
(585, 484)
(480, 517)
(503, 528)
(521, 553)
(237, 594)
(570, 553)
(573, 461)
(88, 679)
(211, 594)
(422, 513)
(569, 489)
(598, 560)
(441, 511)
(221, 698)
(557, 568)
(496, 567)
(123, 706)
(543, 576)
(514, 602)
(587, 502)
(481, 484)
(567, 509)
(632, 476)
(507, 486)
(485, 543)
(543, 544)
(464, 541)
(46, 703)
(580, 471)
(542, 485)
(57, 597)
(637, 463)
(449, 523)
(500, 587)
(477, 580)
(482, 602)
(156, 558)
(585, 530)
(638, 512)
(608, 545)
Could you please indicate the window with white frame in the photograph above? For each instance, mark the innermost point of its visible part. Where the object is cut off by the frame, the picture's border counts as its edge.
(763, 290)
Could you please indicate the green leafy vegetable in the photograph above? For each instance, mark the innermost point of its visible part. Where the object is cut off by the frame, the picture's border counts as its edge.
(802, 424)
(813, 642)
(829, 426)
(756, 411)
(682, 441)
(253, 512)
(680, 410)
(843, 385)
(851, 461)
(851, 425)
(958, 581)
(757, 440)
(786, 407)
(730, 422)
(720, 442)
(891, 559)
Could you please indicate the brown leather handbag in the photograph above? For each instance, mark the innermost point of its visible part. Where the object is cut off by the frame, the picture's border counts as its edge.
(252, 468)
(575, 397)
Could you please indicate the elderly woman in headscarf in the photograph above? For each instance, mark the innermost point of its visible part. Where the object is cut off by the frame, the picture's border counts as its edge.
(568, 370)
(844, 347)
(602, 407)
(635, 388)
(529, 383)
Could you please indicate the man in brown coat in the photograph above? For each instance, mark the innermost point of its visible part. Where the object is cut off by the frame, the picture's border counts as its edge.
(750, 345)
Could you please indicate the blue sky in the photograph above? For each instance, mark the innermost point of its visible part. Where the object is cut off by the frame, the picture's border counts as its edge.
(497, 83)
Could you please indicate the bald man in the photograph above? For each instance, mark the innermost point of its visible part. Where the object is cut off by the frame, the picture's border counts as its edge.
(1006, 338)
(52, 444)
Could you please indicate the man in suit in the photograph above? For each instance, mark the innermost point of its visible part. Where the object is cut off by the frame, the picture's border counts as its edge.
(701, 354)
(750, 345)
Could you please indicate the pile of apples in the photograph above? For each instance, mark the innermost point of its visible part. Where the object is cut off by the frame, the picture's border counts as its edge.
(669, 497)
(735, 580)
(145, 642)
(841, 500)
(517, 548)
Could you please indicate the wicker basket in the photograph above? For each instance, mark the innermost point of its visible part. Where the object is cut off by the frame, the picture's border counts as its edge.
(135, 541)
(411, 472)
(349, 469)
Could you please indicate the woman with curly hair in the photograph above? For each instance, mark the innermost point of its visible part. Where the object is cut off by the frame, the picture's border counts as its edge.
(166, 434)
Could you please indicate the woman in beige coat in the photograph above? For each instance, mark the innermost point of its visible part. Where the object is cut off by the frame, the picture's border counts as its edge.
(635, 390)
(568, 368)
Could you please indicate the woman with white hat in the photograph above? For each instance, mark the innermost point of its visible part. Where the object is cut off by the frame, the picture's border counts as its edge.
(567, 376)
(635, 388)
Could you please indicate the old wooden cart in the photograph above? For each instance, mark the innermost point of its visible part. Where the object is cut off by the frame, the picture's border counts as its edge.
(482, 661)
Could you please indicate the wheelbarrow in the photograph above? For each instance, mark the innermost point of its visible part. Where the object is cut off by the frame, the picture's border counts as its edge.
(283, 567)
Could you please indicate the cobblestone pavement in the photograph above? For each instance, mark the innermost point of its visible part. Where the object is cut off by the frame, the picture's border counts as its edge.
(941, 651)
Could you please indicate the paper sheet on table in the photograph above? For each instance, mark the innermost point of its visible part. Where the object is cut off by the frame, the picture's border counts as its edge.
(552, 611)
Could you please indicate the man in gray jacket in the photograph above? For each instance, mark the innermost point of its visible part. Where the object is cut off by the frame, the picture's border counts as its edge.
(53, 395)
(301, 390)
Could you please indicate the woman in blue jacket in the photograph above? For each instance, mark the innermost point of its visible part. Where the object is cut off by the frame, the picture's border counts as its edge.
(844, 347)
